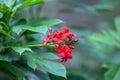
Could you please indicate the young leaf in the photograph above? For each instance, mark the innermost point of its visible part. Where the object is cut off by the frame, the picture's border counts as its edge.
(107, 37)
(113, 73)
(20, 50)
(25, 4)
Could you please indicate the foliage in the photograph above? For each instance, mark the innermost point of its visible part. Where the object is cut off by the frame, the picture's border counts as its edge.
(23, 56)
(110, 37)
(99, 59)
(18, 52)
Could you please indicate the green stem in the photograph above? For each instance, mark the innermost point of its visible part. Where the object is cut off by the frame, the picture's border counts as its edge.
(5, 25)
(33, 45)
(4, 41)
(30, 46)
(14, 4)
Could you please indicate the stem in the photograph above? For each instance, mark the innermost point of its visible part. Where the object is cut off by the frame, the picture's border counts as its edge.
(4, 41)
(5, 25)
(3, 44)
(30, 46)
(33, 45)
(14, 4)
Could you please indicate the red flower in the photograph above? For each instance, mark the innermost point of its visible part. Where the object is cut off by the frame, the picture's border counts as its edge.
(58, 37)
(62, 35)
(62, 39)
(48, 37)
(64, 30)
(65, 52)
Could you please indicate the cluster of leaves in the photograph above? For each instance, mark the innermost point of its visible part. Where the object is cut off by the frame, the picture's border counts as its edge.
(111, 38)
(83, 8)
(102, 47)
(19, 50)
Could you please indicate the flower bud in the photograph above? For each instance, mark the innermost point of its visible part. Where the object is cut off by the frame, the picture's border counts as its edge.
(75, 40)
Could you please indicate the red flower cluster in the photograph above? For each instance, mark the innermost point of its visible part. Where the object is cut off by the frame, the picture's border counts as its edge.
(62, 39)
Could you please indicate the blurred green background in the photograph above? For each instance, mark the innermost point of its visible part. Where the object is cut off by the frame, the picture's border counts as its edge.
(94, 23)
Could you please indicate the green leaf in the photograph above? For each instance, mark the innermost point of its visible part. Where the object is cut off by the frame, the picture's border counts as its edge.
(79, 7)
(40, 29)
(37, 26)
(117, 24)
(53, 68)
(17, 30)
(20, 21)
(39, 74)
(4, 9)
(3, 57)
(107, 37)
(5, 26)
(113, 73)
(25, 4)
(5, 33)
(49, 56)
(48, 23)
(29, 3)
(52, 22)
(31, 61)
(14, 70)
(9, 3)
(98, 37)
(49, 66)
(20, 50)
(104, 8)
(114, 34)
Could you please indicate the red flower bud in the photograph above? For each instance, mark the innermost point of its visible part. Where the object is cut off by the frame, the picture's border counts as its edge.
(50, 30)
(48, 37)
(75, 40)
(72, 47)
